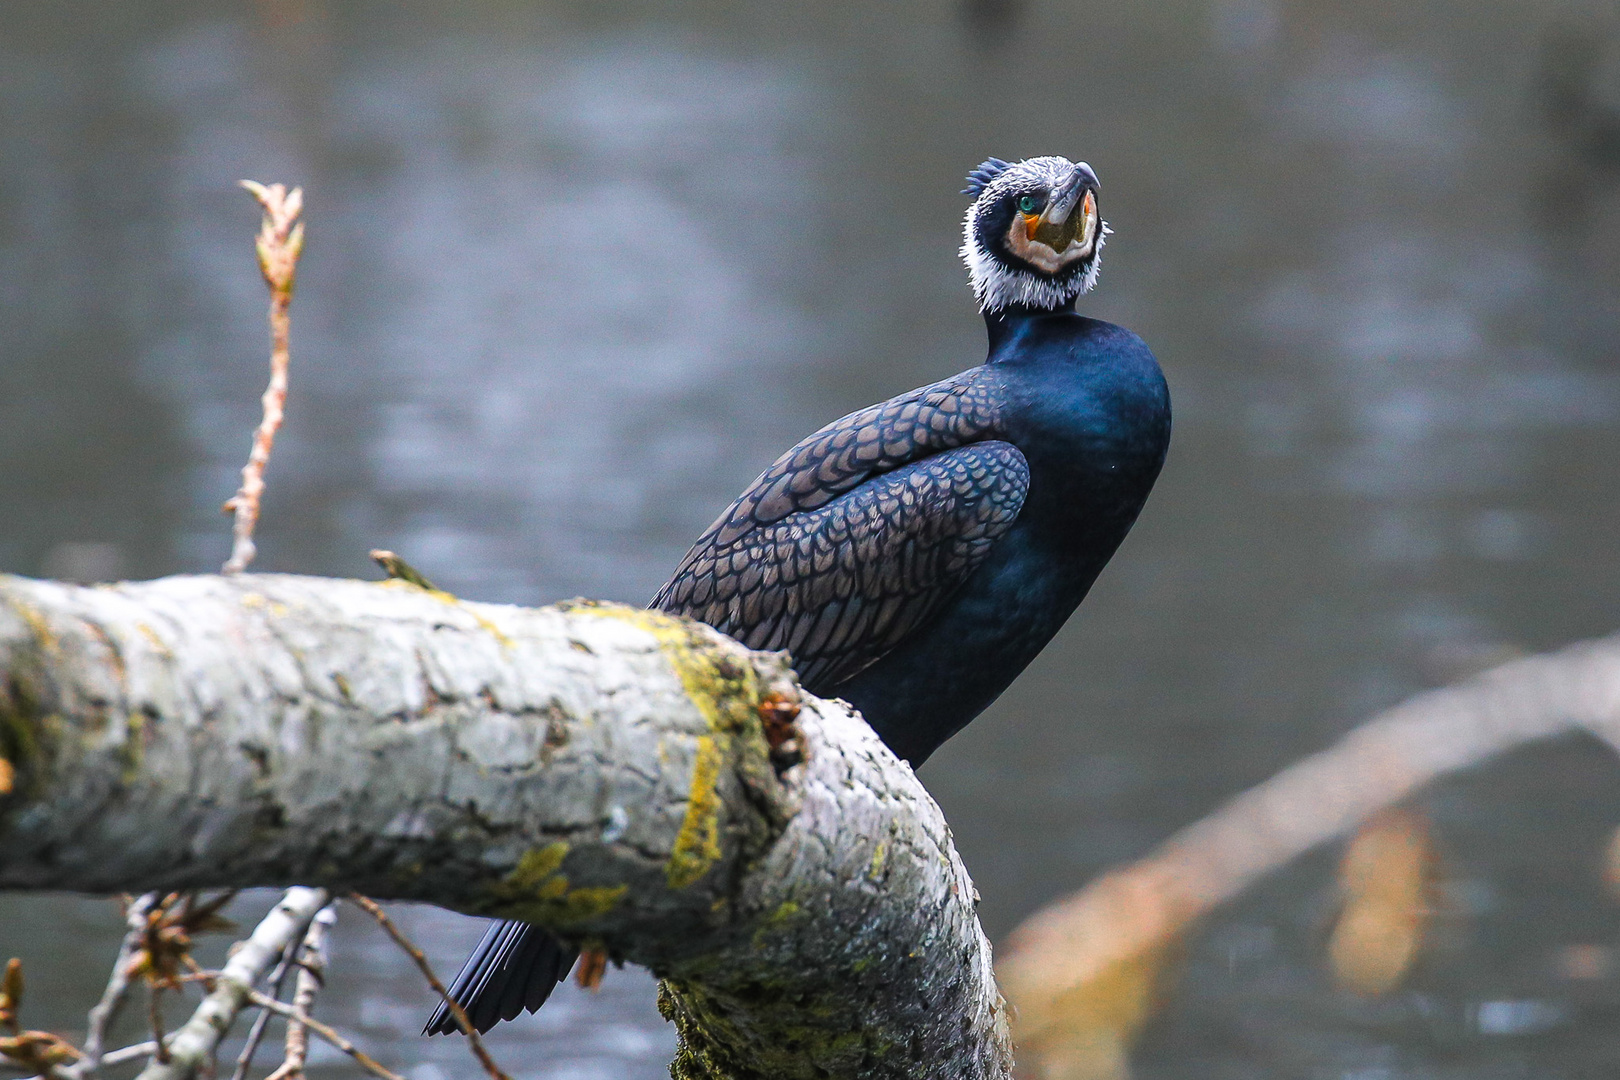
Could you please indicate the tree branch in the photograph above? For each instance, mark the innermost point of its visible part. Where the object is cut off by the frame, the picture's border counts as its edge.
(1107, 942)
(279, 243)
(311, 978)
(598, 770)
(255, 1035)
(198, 1038)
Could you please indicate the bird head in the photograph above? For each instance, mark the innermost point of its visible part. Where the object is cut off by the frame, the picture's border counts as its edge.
(1032, 237)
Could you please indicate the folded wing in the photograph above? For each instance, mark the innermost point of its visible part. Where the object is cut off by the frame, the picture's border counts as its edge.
(841, 582)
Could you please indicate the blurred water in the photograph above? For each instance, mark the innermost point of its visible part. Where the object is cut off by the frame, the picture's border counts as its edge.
(574, 276)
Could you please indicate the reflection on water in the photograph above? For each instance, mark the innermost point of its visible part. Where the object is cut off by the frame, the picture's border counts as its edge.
(574, 277)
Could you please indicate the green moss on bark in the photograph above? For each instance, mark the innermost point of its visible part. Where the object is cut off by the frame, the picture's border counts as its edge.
(796, 1047)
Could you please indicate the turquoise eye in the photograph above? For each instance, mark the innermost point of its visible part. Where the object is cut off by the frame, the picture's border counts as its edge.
(1027, 204)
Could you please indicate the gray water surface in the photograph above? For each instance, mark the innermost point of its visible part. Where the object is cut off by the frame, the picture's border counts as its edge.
(575, 275)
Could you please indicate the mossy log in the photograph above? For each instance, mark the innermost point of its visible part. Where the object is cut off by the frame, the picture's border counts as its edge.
(600, 770)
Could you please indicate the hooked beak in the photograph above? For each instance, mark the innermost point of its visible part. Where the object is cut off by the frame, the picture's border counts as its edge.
(1059, 227)
(1081, 181)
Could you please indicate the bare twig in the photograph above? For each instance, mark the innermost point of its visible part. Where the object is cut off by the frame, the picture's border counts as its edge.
(114, 1057)
(112, 998)
(129, 1053)
(279, 243)
(473, 1041)
(198, 1038)
(244, 1060)
(311, 977)
(330, 1034)
(154, 1019)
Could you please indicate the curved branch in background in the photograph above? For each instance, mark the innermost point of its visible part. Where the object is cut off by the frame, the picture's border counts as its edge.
(1081, 972)
(599, 770)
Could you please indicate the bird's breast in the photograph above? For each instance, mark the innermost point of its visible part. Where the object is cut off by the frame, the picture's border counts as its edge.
(1088, 406)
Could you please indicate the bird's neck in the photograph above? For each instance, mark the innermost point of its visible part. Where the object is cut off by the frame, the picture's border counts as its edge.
(1005, 322)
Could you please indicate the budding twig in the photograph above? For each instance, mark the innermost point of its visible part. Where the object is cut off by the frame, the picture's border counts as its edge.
(28, 1050)
(196, 1041)
(279, 243)
(112, 998)
(473, 1041)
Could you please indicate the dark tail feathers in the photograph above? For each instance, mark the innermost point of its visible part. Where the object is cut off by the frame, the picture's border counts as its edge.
(514, 967)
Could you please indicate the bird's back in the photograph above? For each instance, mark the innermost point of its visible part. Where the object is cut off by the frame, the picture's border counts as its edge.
(914, 556)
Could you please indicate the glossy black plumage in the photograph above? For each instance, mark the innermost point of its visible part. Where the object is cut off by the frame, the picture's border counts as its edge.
(914, 556)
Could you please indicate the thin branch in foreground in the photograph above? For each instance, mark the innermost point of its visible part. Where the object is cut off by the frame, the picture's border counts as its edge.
(278, 977)
(129, 1053)
(311, 977)
(154, 1020)
(113, 1057)
(476, 1044)
(330, 1034)
(198, 1039)
(106, 1010)
(279, 243)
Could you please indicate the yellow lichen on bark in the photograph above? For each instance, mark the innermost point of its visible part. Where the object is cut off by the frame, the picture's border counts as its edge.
(697, 845)
(538, 892)
(727, 694)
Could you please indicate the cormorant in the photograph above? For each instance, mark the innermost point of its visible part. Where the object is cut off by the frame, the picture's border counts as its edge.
(915, 556)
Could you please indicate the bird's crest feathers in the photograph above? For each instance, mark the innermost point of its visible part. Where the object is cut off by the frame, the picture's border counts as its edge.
(988, 170)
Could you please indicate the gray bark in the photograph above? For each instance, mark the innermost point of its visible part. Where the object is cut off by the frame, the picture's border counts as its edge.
(599, 770)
